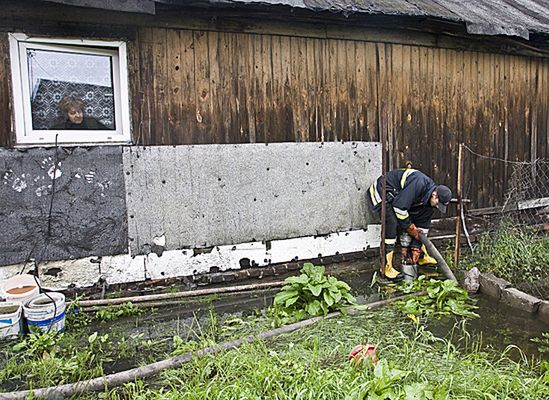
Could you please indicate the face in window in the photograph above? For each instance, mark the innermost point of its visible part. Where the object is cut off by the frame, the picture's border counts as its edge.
(75, 115)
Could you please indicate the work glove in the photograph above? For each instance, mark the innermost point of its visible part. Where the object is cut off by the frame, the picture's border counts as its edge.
(416, 253)
(414, 231)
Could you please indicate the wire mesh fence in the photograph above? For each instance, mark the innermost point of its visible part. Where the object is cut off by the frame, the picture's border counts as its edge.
(515, 245)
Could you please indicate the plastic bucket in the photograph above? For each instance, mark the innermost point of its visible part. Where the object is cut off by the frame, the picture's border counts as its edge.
(41, 313)
(11, 324)
(20, 288)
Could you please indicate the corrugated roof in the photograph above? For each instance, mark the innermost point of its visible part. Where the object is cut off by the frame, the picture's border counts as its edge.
(136, 6)
(483, 17)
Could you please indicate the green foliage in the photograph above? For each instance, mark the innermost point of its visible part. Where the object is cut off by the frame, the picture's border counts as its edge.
(543, 342)
(311, 294)
(117, 311)
(75, 318)
(443, 298)
(312, 364)
(39, 343)
(48, 359)
(517, 254)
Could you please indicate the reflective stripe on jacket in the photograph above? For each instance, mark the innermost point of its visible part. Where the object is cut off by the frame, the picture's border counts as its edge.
(408, 190)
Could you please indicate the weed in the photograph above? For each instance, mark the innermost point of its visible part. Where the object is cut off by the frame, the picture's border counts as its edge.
(543, 342)
(312, 364)
(517, 254)
(443, 298)
(76, 319)
(311, 294)
(117, 311)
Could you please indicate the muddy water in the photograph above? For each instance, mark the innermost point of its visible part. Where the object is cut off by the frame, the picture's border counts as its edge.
(498, 326)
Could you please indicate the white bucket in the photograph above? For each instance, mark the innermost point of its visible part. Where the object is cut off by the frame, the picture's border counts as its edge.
(41, 313)
(20, 288)
(11, 323)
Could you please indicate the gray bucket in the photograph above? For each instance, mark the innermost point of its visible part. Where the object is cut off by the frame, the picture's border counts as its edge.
(409, 272)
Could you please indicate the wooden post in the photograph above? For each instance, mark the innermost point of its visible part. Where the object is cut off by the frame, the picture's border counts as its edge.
(459, 205)
(383, 134)
(382, 126)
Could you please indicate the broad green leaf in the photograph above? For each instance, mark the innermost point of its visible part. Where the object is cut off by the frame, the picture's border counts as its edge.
(315, 290)
(328, 299)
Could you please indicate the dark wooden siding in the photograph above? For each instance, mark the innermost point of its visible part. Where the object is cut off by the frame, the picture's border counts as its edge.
(219, 87)
(207, 86)
(215, 87)
(5, 102)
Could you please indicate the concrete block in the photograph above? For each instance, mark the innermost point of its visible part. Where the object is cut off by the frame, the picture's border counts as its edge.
(520, 300)
(61, 275)
(8, 271)
(543, 311)
(492, 286)
(123, 269)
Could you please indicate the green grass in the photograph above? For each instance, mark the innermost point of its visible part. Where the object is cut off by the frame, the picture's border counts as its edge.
(516, 254)
(312, 364)
(307, 364)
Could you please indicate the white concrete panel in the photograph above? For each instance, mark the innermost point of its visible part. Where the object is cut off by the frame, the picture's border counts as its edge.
(59, 275)
(212, 195)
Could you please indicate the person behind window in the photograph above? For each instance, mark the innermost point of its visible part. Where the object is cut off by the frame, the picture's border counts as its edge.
(73, 116)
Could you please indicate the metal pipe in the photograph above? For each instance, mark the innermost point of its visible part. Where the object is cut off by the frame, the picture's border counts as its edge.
(190, 293)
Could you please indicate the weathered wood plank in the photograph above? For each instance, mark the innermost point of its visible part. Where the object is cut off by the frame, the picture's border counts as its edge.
(188, 87)
(5, 98)
(201, 134)
(160, 82)
(216, 89)
(175, 91)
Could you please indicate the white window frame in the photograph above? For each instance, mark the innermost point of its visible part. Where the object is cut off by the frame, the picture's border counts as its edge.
(25, 134)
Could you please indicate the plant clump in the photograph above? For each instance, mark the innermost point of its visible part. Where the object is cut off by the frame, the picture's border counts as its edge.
(310, 294)
(441, 299)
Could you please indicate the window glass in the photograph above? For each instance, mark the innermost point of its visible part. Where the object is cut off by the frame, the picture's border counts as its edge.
(70, 91)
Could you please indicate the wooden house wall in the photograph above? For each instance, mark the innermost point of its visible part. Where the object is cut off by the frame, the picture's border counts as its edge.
(199, 86)
(223, 87)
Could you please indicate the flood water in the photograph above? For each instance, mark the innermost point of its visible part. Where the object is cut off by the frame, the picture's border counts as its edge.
(497, 327)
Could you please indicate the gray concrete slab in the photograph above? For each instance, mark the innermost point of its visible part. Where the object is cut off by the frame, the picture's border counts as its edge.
(492, 286)
(201, 196)
(543, 311)
(520, 300)
(88, 213)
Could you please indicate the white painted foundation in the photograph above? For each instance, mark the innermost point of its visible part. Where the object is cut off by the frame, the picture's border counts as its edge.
(123, 268)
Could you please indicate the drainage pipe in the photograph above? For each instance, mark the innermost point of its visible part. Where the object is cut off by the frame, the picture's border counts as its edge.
(432, 250)
(190, 293)
(120, 378)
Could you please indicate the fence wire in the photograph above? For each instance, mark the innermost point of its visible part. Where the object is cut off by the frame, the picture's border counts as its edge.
(516, 247)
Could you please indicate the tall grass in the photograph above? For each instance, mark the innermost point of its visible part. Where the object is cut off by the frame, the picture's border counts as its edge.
(517, 254)
(312, 364)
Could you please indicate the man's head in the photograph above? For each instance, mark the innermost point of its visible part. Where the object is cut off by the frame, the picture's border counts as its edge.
(440, 198)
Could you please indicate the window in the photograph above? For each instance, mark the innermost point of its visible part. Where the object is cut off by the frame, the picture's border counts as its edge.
(69, 90)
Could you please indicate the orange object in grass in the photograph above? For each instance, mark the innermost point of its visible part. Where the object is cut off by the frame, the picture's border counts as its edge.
(363, 353)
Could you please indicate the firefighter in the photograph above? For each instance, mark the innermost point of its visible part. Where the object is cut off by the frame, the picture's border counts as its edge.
(411, 200)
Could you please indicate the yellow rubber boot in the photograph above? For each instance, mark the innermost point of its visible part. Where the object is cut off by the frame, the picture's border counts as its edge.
(426, 259)
(389, 271)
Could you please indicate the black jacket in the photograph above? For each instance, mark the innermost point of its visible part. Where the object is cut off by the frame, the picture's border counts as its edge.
(408, 193)
(87, 124)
